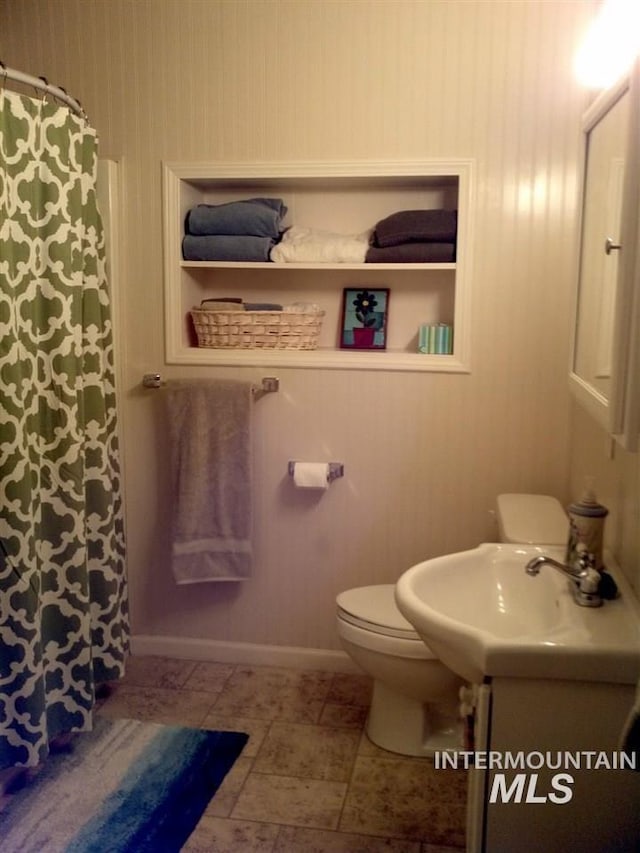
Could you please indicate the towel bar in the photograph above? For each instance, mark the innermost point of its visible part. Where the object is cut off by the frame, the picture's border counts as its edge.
(268, 385)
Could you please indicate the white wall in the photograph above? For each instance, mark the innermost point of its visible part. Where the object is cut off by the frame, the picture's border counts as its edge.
(617, 478)
(425, 455)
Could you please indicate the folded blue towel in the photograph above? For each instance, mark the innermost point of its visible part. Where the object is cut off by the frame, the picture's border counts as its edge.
(226, 248)
(253, 217)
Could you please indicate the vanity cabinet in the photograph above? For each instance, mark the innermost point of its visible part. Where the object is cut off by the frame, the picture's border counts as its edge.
(344, 198)
(564, 732)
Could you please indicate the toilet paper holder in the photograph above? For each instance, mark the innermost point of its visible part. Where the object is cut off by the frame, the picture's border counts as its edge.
(336, 470)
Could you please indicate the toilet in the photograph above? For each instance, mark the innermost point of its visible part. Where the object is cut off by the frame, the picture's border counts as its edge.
(414, 707)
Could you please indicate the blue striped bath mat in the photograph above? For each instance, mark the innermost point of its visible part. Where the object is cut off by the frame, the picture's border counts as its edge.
(125, 787)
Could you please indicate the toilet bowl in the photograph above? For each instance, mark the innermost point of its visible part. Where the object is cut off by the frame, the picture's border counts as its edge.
(414, 707)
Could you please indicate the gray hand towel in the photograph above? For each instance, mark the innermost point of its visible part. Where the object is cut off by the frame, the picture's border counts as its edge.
(210, 433)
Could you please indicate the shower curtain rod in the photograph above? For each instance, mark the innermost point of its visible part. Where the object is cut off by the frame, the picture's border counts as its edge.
(41, 84)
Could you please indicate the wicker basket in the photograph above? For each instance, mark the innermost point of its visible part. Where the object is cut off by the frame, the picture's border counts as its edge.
(257, 329)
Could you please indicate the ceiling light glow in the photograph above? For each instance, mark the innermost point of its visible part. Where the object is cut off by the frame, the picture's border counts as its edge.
(611, 44)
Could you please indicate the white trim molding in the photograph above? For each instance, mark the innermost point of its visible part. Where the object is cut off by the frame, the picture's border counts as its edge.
(253, 654)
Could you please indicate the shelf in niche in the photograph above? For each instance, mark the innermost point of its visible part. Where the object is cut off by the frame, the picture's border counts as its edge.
(269, 265)
(360, 192)
(322, 358)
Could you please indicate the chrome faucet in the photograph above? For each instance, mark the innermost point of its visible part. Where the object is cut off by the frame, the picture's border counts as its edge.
(584, 578)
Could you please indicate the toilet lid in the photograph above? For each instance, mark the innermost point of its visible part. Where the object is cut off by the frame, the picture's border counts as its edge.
(374, 609)
(532, 520)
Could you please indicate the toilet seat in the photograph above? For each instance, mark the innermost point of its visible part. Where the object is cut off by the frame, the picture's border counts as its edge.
(373, 608)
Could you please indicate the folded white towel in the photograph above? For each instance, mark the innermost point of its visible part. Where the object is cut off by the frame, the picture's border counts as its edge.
(312, 246)
(210, 432)
(302, 308)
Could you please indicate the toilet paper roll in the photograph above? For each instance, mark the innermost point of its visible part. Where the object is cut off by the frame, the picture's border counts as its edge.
(311, 475)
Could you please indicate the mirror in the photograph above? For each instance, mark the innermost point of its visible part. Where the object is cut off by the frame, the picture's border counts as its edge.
(606, 137)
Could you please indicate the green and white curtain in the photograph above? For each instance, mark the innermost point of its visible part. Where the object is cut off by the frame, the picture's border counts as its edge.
(63, 605)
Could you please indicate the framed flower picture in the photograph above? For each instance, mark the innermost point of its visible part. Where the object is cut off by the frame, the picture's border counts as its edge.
(364, 318)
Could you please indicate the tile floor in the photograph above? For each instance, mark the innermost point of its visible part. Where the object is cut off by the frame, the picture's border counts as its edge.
(309, 779)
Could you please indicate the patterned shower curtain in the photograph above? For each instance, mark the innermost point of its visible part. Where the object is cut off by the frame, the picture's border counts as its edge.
(63, 606)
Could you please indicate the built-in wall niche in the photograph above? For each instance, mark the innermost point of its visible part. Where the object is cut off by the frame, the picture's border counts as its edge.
(343, 198)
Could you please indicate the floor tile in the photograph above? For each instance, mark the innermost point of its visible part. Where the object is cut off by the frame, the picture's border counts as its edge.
(291, 801)
(219, 835)
(311, 752)
(296, 840)
(209, 676)
(156, 671)
(344, 716)
(273, 693)
(446, 827)
(351, 689)
(256, 729)
(227, 794)
(171, 707)
(309, 780)
(405, 798)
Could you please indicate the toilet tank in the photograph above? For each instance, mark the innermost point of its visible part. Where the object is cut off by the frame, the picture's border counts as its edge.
(531, 520)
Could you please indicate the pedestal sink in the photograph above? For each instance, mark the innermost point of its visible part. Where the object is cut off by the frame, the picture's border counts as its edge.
(484, 616)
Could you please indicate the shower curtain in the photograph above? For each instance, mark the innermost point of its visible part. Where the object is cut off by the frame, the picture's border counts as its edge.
(63, 606)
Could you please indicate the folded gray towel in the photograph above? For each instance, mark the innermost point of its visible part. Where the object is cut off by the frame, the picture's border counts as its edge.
(416, 226)
(262, 306)
(412, 253)
(253, 217)
(210, 433)
(217, 305)
(226, 248)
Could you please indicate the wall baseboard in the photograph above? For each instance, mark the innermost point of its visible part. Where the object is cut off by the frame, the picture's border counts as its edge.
(221, 651)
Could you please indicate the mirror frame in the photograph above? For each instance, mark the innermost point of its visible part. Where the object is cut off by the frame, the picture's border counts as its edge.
(619, 414)
(625, 393)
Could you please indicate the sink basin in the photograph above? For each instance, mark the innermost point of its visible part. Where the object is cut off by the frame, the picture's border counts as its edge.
(483, 615)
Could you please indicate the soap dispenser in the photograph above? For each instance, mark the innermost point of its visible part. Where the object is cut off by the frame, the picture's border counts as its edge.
(586, 527)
